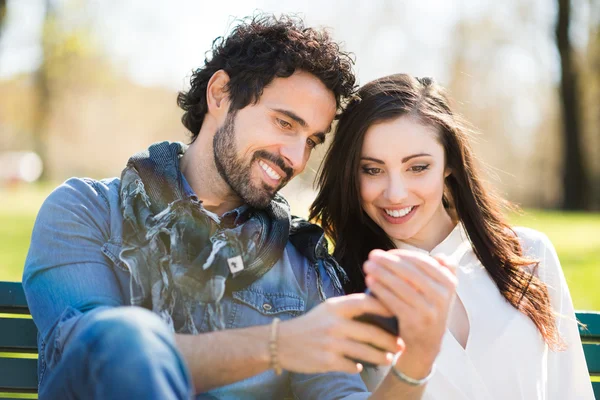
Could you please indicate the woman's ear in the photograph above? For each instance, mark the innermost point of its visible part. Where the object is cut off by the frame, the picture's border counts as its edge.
(447, 172)
(217, 97)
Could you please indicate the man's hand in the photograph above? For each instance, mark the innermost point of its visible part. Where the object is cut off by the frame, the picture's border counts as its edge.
(327, 337)
(419, 290)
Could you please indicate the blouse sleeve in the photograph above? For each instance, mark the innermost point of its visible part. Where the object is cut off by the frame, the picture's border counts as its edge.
(568, 376)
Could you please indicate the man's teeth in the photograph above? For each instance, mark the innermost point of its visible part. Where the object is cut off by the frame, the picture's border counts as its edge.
(270, 172)
(399, 213)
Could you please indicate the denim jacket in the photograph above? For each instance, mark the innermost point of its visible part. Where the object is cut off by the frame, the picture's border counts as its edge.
(73, 266)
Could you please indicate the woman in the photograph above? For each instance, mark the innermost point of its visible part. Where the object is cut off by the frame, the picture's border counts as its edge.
(401, 175)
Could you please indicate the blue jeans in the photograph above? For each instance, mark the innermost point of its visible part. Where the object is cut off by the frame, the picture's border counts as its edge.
(119, 353)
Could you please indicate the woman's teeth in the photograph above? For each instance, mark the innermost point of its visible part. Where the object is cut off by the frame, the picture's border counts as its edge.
(399, 213)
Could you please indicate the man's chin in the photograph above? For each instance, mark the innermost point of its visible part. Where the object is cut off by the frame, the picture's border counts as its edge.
(262, 200)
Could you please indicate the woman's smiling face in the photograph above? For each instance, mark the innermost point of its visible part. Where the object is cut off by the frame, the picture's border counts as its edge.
(401, 174)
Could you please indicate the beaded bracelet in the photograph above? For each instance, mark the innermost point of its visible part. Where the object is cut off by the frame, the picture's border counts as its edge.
(273, 347)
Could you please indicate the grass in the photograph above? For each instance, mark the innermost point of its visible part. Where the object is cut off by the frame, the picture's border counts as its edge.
(576, 237)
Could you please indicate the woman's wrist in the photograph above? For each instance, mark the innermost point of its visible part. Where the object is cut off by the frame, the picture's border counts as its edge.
(415, 365)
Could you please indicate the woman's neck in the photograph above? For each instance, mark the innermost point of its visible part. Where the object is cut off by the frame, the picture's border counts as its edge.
(433, 233)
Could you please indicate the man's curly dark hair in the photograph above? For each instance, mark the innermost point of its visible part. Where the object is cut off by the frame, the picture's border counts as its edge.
(259, 49)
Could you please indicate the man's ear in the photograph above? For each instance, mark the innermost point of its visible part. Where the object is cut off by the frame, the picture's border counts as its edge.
(217, 98)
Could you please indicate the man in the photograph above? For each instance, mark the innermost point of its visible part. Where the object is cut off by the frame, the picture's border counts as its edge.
(199, 236)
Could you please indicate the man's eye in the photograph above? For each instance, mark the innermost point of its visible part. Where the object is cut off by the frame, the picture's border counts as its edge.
(284, 124)
(311, 143)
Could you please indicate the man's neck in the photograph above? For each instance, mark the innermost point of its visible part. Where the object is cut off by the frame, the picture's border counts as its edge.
(199, 169)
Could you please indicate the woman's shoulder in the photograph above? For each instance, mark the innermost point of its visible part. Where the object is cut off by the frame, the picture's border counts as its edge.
(537, 246)
(534, 243)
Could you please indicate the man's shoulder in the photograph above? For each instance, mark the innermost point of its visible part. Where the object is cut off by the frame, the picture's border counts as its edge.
(82, 200)
(85, 187)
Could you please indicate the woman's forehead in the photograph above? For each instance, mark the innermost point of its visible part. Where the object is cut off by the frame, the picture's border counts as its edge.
(402, 136)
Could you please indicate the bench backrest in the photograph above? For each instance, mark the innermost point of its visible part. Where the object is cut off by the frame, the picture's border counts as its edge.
(18, 342)
(590, 336)
(18, 339)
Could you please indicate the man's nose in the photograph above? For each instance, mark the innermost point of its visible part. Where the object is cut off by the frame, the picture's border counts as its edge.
(294, 153)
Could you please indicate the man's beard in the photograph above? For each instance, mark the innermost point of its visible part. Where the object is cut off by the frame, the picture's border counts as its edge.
(237, 173)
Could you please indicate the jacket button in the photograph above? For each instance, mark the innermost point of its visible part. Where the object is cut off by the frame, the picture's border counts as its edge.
(267, 307)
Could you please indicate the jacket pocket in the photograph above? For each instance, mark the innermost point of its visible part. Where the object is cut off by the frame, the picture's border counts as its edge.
(254, 307)
(112, 249)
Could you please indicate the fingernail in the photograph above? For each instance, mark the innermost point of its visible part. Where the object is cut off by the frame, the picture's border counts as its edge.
(368, 266)
(369, 280)
(389, 357)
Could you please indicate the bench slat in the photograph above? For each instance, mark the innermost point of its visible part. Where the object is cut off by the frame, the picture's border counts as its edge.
(592, 357)
(18, 375)
(592, 320)
(18, 335)
(596, 387)
(12, 298)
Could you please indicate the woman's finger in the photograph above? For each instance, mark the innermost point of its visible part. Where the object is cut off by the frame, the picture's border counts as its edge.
(422, 267)
(389, 299)
(413, 294)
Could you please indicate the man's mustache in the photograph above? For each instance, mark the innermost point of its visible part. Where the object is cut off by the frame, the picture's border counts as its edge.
(287, 170)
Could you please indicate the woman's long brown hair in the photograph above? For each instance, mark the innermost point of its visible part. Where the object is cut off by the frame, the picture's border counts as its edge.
(337, 205)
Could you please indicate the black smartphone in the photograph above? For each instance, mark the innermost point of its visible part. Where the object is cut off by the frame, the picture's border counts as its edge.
(389, 324)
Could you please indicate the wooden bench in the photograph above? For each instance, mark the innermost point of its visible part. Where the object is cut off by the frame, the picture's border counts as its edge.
(19, 336)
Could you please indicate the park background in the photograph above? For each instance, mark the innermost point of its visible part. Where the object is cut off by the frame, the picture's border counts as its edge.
(85, 84)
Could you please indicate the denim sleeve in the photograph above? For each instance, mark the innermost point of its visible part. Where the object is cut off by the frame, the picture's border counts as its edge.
(66, 273)
(332, 385)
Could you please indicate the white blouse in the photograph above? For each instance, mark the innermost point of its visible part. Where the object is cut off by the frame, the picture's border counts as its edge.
(505, 356)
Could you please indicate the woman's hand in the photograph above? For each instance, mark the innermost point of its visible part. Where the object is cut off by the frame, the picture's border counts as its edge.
(327, 338)
(419, 290)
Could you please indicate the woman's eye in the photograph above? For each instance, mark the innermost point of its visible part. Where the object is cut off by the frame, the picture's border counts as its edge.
(371, 171)
(419, 168)
(311, 143)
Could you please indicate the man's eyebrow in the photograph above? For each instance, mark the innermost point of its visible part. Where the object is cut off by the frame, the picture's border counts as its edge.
(301, 122)
(293, 116)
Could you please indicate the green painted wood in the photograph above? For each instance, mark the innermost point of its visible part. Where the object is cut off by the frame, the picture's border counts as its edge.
(18, 335)
(18, 375)
(12, 298)
(592, 357)
(592, 321)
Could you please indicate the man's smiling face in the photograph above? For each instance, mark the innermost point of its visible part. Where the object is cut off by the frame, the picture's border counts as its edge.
(259, 148)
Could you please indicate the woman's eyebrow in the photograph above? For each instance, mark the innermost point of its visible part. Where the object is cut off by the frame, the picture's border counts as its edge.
(407, 158)
(376, 160)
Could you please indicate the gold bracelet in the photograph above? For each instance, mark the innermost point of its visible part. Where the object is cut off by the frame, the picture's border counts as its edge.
(273, 347)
